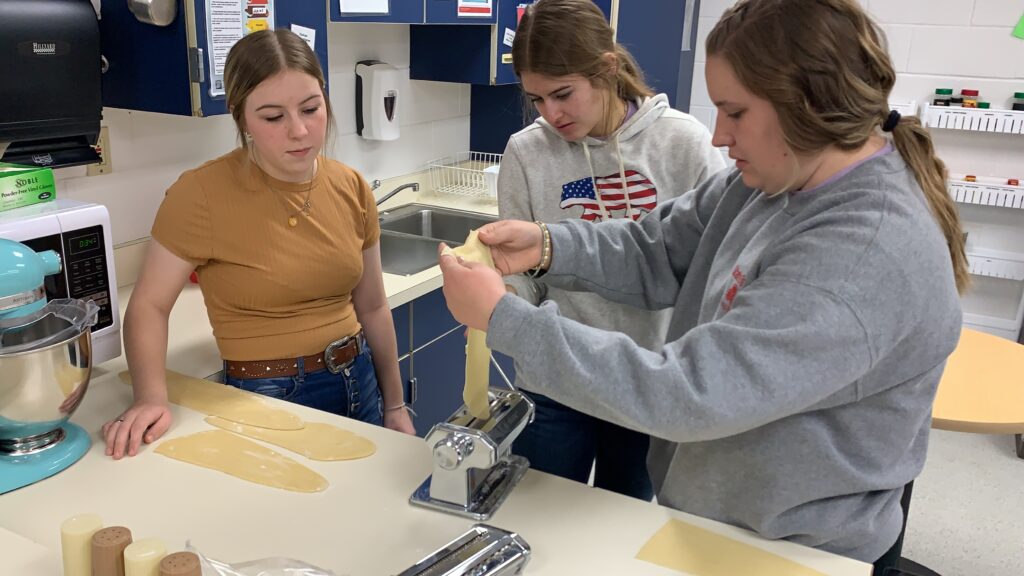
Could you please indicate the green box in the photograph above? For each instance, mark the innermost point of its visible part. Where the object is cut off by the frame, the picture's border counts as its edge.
(24, 186)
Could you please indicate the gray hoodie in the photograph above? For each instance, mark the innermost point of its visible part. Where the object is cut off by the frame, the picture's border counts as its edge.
(663, 153)
(808, 335)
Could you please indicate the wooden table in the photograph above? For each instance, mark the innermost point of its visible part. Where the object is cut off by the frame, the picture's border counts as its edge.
(982, 389)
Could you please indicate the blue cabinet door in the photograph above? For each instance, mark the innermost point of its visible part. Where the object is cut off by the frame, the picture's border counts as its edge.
(153, 69)
(461, 11)
(450, 53)
(660, 35)
(507, 367)
(399, 12)
(440, 373)
(468, 54)
(148, 65)
(287, 13)
(402, 319)
(438, 360)
(430, 318)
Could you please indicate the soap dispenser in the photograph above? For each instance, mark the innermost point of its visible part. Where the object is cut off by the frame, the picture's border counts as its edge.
(377, 99)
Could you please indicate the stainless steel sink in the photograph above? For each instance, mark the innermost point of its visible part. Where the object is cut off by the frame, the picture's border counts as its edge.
(406, 254)
(451, 226)
(410, 235)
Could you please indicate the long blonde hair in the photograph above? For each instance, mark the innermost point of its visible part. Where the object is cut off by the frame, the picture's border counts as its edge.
(564, 37)
(264, 54)
(824, 67)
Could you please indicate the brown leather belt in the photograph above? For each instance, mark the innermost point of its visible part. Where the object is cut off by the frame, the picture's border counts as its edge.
(336, 357)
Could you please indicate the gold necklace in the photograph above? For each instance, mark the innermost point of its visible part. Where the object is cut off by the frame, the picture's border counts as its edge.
(307, 206)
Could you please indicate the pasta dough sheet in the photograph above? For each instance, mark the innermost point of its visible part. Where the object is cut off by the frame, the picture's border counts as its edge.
(315, 441)
(229, 403)
(478, 355)
(242, 458)
(699, 552)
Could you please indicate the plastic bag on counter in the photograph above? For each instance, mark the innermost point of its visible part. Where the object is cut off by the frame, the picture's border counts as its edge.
(262, 567)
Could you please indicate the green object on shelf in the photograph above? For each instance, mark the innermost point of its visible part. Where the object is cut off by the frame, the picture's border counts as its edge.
(984, 105)
(944, 91)
(25, 185)
(1018, 95)
(1019, 30)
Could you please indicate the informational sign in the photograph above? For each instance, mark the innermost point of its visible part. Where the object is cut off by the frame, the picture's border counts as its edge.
(363, 6)
(307, 34)
(227, 21)
(475, 8)
(520, 10)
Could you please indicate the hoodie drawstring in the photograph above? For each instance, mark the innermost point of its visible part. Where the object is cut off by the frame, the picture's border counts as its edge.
(622, 177)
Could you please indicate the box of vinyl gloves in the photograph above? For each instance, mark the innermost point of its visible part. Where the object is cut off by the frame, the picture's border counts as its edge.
(24, 186)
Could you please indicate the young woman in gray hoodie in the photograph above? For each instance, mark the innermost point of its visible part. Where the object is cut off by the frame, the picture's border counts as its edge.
(601, 132)
(814, 293)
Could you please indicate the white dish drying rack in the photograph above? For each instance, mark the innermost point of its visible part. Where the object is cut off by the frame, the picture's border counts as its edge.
(465, 174)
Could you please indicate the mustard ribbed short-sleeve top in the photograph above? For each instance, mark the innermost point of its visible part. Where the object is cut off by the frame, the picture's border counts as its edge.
(271, 290)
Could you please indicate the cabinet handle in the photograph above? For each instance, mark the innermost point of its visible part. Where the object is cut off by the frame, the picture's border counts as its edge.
(196, 70)
(413, 392)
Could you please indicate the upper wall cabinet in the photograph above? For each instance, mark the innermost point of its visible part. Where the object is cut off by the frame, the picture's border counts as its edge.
(377, 11)
(481, 12)
(179, 68)
(447, 50)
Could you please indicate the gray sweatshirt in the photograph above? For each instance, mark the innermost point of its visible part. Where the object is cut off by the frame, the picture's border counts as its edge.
(808, 335)
(663, 153)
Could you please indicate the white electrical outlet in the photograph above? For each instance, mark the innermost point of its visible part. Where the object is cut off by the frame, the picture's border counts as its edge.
(103, 148)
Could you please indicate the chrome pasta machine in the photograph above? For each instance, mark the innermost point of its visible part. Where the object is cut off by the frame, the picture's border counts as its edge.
(474, 468)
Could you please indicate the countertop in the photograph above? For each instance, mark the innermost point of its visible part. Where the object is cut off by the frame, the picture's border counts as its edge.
(362, 524)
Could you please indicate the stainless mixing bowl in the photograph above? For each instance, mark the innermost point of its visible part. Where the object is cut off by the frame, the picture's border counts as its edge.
(40, 388)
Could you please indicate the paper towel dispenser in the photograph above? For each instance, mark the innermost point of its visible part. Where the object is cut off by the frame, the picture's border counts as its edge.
(50, 100)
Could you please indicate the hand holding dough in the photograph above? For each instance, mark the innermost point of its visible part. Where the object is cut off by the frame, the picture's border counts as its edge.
(478, 355)
(229, 453)
(315, 441)
(225, 401)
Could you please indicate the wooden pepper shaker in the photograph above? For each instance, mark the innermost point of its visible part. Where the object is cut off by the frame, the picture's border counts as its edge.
(181, 564)
(108, 547)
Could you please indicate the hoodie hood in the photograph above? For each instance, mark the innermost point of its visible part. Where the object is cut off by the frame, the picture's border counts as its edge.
(647, 113)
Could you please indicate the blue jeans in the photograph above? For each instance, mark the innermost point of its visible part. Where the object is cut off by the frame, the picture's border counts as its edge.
(353, 392)
(567, 443)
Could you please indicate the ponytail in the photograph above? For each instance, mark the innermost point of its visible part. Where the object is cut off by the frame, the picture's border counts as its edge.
(915, 146)
(629, 78)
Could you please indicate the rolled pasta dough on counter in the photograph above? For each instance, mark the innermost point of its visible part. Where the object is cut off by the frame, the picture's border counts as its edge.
(242, 458)
(215, 399)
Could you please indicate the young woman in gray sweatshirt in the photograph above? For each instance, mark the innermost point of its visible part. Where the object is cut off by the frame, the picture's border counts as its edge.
(601, 132)
(814, 293)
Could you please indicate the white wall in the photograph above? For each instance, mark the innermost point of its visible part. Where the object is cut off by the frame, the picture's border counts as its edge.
(953, 44)
(149, 150)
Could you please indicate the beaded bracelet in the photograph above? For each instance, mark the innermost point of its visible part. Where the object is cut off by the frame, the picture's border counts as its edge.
(545, 253)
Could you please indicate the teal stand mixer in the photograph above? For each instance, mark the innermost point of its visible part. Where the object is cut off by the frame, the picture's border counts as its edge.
(45, 364)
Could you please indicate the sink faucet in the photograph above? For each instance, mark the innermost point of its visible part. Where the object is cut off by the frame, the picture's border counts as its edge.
(414, 185)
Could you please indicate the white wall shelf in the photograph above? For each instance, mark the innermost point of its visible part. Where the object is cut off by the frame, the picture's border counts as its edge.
(973, 119)
(996, 264)
(986, 194)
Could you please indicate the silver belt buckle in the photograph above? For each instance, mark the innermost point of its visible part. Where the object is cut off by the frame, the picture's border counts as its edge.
(329, 353)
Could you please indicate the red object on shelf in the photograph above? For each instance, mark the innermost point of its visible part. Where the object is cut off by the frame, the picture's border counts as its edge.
(970, 178)
(1013, 182)
(193, 277)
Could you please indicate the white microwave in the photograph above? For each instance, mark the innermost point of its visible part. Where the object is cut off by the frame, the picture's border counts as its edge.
(80, 233)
